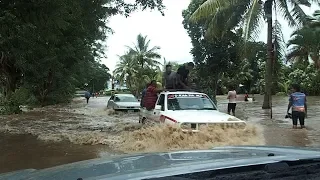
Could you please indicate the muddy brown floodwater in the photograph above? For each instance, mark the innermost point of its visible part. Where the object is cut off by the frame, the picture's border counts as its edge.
(60, 134)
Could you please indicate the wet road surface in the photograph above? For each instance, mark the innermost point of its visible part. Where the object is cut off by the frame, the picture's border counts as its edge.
(57, 135)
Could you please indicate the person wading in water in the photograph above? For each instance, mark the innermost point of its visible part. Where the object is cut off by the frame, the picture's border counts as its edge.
(87, 96)
(232, 96)
(298, 103)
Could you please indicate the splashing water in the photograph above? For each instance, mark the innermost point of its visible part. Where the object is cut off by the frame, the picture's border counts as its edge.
(165, 138)
(82, 124)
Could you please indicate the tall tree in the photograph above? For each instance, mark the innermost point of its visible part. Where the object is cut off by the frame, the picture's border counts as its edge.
(139, 65)
(249, 13)
(305, 42)
(211, 56)
(48, 47)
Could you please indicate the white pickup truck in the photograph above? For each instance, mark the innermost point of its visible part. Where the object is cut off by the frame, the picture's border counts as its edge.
(189, 110)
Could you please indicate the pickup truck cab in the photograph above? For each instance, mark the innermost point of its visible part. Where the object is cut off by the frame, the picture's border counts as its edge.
(189, 110)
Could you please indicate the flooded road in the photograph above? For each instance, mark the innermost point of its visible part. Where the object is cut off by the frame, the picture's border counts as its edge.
(57, 135)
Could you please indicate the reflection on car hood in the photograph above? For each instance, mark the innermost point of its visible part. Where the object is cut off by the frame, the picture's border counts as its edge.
(210, 116)
(167, 164)
(127, 104)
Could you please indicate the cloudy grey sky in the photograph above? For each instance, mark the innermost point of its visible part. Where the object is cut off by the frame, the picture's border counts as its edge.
(164, 31)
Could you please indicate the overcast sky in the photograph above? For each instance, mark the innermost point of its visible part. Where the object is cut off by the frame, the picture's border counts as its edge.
(164, 31)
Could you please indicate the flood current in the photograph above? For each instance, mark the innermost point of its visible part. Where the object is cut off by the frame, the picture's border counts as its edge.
(60, 134)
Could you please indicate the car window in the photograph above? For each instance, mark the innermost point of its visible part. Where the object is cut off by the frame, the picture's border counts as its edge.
(126, 99)
(161, 101)
(190, 102)
(116, 99)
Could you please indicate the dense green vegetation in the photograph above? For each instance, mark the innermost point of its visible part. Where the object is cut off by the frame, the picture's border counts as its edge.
(225, 54)
(139, 65)
(49, 48)
(222, 16)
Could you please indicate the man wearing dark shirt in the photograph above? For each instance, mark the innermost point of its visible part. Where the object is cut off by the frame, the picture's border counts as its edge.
(165, 76)
(169, 78)
(182, 75)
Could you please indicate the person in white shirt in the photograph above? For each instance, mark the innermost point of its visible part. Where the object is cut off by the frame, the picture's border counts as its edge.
(232, 96)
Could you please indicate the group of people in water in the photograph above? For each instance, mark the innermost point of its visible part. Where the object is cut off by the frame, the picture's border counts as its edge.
(297, 104)
(180, 81)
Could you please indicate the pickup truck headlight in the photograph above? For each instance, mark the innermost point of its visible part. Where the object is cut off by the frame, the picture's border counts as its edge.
(185, 126)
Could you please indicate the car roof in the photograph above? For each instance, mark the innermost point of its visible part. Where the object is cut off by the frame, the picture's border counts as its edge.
(180, 92)
(123, 94)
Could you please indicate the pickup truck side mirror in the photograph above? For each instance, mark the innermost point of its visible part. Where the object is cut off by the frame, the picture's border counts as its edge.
(158, 107)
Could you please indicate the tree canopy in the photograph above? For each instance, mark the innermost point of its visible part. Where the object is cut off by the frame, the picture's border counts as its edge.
(139, 65)
(51, 47)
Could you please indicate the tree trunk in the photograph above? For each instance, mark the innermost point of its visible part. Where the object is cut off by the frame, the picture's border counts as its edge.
(9, 74)
(268, 76)
(316, 60)
(214, 85)
(46, 87)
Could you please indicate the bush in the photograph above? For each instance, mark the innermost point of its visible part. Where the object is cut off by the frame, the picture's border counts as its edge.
(10, 104)
(281, 94)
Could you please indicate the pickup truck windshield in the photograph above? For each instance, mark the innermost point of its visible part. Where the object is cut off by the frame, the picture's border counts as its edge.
(189, 102)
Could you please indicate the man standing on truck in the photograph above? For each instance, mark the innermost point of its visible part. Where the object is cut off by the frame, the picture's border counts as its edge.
(166, 74)
(183, 75)
(150, 99)
(169, 78)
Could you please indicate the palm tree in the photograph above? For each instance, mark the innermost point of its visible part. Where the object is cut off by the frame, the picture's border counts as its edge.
(305, 43)
(128, 71)
(249, 14)
(125, 70)
(143, 54)
(314, 20)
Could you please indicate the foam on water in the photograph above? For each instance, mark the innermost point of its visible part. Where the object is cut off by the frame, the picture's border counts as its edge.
(165, 138)
(82, 124)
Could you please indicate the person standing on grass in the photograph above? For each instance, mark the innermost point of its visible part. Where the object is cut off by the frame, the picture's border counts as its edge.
(87, 96)
(298, 103)
(232, 96)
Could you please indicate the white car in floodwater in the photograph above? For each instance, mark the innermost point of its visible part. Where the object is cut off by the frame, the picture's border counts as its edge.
(189, 110)
(124, 102)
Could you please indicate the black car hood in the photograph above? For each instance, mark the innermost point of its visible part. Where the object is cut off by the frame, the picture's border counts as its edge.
(166, 164)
